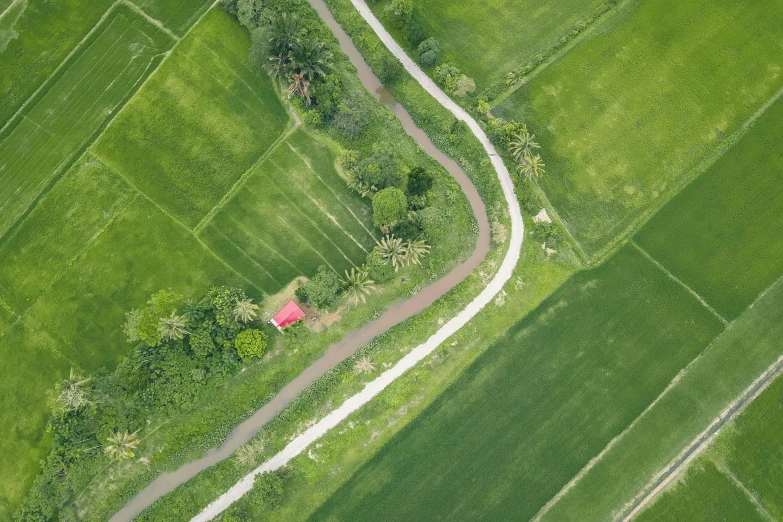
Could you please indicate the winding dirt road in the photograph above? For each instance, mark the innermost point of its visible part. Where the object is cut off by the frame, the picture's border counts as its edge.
(340, 351)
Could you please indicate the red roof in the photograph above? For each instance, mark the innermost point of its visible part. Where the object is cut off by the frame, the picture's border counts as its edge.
(289, 314)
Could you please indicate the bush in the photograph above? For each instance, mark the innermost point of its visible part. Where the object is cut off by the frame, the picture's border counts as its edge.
(388, 207)
(429, 52)
(388, 68)
(414, 33)
(378, 270)
(464, 86)
(419, 182)
(408, 230)
(351, 119)
(250, 343)
(380, 170)
(267, 492)
(321, 291)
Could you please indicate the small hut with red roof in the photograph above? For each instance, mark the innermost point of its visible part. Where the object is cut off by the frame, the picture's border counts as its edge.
(290, 313)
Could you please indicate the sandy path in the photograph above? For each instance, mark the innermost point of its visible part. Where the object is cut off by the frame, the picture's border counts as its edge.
(300, 443)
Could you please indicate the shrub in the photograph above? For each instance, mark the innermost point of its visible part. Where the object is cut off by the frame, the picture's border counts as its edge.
(388, 207)
(464, 86)
(250, 343)
(408, 230)
(419, 182)
(267, 492)
(388, 68)
(351, 119)
(379, 170)
(378, 270)
(320, 291)
(414, 33)
(401, 9)
(429, 52)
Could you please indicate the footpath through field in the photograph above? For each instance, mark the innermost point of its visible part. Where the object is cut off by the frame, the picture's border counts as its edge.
(346, 347)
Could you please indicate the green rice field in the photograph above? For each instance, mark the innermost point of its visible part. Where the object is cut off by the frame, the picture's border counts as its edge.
(738, 478)
(620, 136)
(177, 15)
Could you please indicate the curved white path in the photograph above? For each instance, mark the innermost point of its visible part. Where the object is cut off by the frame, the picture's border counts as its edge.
(300, 443)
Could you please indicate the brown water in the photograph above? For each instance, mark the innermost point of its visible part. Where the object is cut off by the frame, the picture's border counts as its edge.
(338, 352)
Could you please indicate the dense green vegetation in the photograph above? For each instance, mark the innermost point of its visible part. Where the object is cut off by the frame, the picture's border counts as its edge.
(745, 460)
(197, 125)
(39, 145)
(612, 125)
(550, 395)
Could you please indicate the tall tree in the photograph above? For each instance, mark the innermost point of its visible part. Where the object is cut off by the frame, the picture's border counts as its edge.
(415, 250)
(392, 251)
(358, 285)
(121, 445)
(285, 32)
(522, 145)
(532, 167)
(311, 58)
(245, 310)
(172, 327)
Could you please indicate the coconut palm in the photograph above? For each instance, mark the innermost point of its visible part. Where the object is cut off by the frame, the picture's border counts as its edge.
(121, 445)
(172, 327)
(513, 77)
(532, 167)
(192, 311)
(74, 393)
(245, 310)
(522, 145)
(361, 186)
(358, 285)
(284, 32)
(415, 250)
(363, 365)
(392, 251)
(277, 66)
(311, 59)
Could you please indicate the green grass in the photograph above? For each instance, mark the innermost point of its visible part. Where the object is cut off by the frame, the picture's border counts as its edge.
(719, 234)
(548, 396)
(177, 15)
(627, 116)
(28, 54)
(292, 214)
(42, 142)
(488, 39)
(706, 494)
(198, 124)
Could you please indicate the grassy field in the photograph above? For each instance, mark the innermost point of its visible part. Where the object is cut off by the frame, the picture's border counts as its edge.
(718, 235)
(200, 122)
(177, 15)
(470, 32)
(37, 146)
(745, 460)
(27, 55)
(292, 214)
(549, 396)
(613, 127)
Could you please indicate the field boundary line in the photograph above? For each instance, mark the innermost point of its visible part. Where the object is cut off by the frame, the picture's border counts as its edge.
(334, 220)
(759, 506)
(76, 48)
(246, 255)
(681, 283)
(5, 306)
(116, 171)
(157, 23)
(10, 6)
(664, 477)
(239, 183)
(241, 226)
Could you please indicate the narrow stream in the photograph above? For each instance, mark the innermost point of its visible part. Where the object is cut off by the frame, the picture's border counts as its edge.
(338, 352)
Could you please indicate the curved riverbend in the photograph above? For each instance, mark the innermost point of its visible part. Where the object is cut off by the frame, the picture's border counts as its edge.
(167, 482)
(300, 443)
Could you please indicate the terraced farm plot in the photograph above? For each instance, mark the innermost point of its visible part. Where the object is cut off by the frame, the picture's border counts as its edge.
(198, 124)
(723, 234)
(28, 29)
(549, 396)
(38, 146)
(486, 40)
(739, 476)
(292, 214)
(626, 117)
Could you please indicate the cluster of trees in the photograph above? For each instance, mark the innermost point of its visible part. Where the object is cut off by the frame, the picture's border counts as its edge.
(181, 351)
(453, 81)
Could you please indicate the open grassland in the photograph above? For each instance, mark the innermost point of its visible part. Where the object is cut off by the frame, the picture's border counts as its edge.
(176, 15)
(739, 476)
(35, 37)
(40, 144)
(626, 117)
(293, 213)
(723, 234)
(486, 40)
(705, 495)
(549, 396)
(198, 124)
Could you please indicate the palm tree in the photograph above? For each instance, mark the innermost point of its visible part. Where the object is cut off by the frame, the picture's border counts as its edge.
(363, 365)
(74, 393)
(522, 145)
(172, 327)
(245, 310)
(311, 58)
(392, 251)
(415, 250)
(277, 67)
(284, 32)
(361, 186)
(358, 285)
(513, 77)
(121, 445)
(532, 167)
(192, 311)
(300, 87)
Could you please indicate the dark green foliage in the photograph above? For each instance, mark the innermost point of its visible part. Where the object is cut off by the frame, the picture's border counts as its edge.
(351, 119)
(328, 94)
(381, 169)
(419, 182)
(429, 52)
(388, 68)
(321, 291)
(267, 492)
(378, 270)
(414, 32)
(250, 343)
(389, 206)
(408, 229)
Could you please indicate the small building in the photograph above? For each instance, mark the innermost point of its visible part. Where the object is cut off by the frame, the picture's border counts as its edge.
(290, 313)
